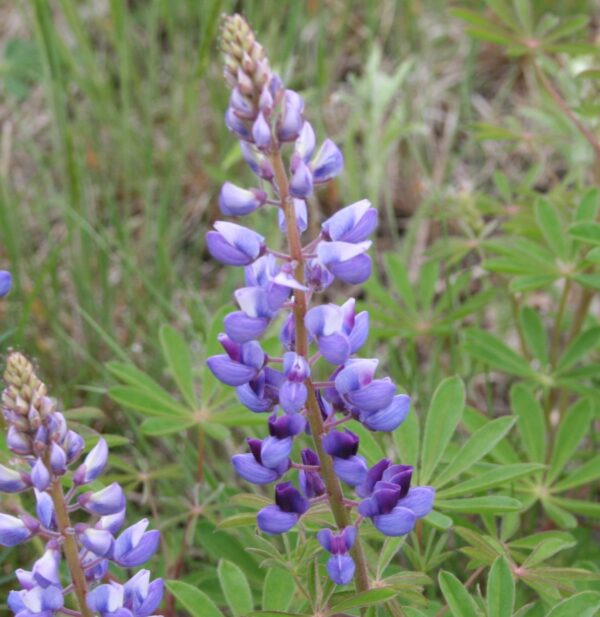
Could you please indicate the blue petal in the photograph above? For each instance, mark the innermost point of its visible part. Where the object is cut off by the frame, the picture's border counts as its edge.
(354, 271)
(419, 500)
(340, 569)
(353, 223)
(273, 520)
(335, 348)
(301, 184)
(355, 374)
(376, 395)
(222, 251)
(325, 538)
(248, 468)
(230, 372)
(389, 418)
(360, 332)
(352, 471)
(292, 396)
(236, 201)
(328, 162)
(5, 282)
(275, 451)
(241, 328)
(324, 320)
(398, 522)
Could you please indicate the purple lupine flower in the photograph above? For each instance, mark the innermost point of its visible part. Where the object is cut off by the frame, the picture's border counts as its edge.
(252, 468)
(354, 223)
(389, 418)
(108, 500)
(45, 571)
(293, 392)
(340, 565)
(234, 245)
(257, 161)
(261, 394)
(236, 201)
(291, 120)
(343, 447)
(346, 261)
(15, 530)
(37, 601)
(240, 364)
(93, 465)
(5, 282)
(12, 481)
(356, 386)
(135, 545)
(301, 214)
(289, 506)
(339, 332)
(311, 483)
(141, 595)
(392, 505)
(327, 163)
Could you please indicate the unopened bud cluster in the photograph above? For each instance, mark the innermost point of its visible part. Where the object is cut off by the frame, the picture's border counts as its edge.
(45, 451)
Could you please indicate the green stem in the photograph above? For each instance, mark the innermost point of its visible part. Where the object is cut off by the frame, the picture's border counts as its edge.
(70, 547)
(340, 512)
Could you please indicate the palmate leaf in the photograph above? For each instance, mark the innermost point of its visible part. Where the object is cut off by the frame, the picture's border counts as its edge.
(492, 504)
(278, 590)
(195, 601)
(177, 355)
(584, 604)
(535, 333)
(147, 402)
(549, 223)
(457, 597)
(531, 422)
(364, 598)
(492, 351)
(235, 587)
(446, 410)
(479, 444)
(500, 592)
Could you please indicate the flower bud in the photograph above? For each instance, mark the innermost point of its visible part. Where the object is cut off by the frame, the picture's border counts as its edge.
(109, 500)
(93, 465)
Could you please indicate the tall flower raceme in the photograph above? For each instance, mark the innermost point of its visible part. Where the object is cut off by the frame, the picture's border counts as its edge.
(81, 526)
(281, 149)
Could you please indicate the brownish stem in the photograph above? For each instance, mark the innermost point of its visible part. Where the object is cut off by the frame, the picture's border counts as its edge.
(340, 512)
(70, 547)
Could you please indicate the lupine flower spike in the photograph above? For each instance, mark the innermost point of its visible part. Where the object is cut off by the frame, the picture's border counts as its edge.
(45, 452)
(280, 147)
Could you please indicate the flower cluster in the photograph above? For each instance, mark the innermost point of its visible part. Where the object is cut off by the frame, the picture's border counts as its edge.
(269, 119)
(45, 452)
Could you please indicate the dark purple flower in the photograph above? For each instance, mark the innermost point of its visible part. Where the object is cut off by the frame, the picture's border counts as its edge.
(311, 483)
(343, 446)
(289, 506)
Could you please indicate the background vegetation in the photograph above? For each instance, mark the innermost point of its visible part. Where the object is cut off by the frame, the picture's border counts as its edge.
(472, 126)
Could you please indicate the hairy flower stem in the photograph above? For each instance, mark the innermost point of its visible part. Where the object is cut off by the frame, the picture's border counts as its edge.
(70, 546)
(334, 490)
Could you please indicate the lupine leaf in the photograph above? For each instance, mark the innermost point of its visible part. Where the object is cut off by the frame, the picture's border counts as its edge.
(235, 588)
(570, 433)
(532, 425)
(586, 231)
(439, 520)
(278, 590)
(246, 519)
(581, 345)
(584, 604)
(146, 402)
(479, 444)
(457, 597)
(546, 549)
(492, 351)
(407, 439)
(156, 427)
(446, 410)
(551, 227)
(559, 515)
(498, 476)
(364, 598)
(579, 506)
(500, 592)
(535, 333)
(493, 504)
(196, 602)
(586, 474)
(132, 376)
(400, 280)
(588, 206)
(177, 355)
